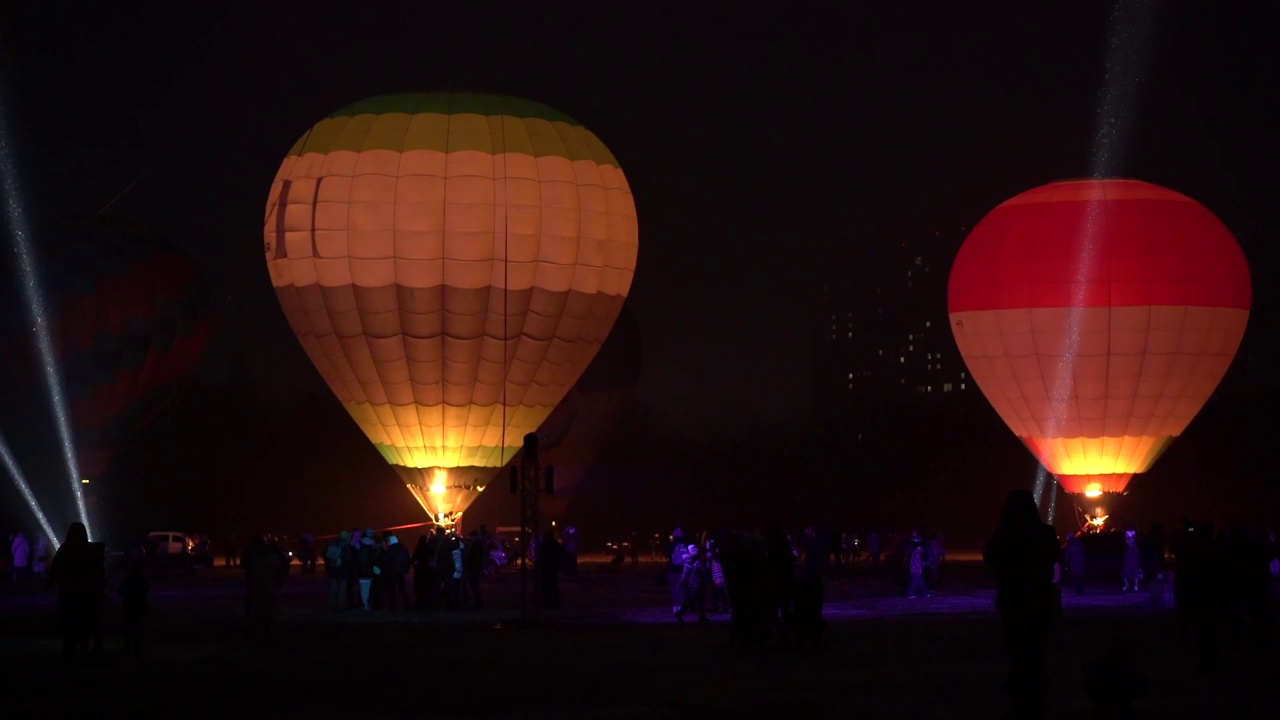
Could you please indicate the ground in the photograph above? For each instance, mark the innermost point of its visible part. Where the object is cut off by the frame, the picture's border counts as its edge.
(613, 652)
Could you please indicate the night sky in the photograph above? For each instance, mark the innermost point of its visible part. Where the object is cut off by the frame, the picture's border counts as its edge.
(766, 148)
(762, 147)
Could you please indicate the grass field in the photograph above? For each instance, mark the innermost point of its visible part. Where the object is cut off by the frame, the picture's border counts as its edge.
(612, 652)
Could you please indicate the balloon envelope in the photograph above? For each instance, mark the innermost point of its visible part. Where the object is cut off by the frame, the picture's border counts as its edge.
(451, 263)
(574, 435)
(1098, 316)
(128, 315)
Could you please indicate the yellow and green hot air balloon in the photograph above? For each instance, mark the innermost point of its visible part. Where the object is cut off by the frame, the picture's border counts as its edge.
(451, 263)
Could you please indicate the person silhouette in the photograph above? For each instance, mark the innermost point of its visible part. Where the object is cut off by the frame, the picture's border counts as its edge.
(1023, 551)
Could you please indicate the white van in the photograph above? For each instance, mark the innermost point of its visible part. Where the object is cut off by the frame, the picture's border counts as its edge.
(172, 544)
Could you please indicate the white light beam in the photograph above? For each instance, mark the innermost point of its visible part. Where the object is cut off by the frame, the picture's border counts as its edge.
(19, 234)
(21, 481)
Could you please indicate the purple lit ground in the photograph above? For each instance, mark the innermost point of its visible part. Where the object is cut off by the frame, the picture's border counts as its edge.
(612, 653)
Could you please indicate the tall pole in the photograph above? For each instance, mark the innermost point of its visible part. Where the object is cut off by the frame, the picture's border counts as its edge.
(530, 487)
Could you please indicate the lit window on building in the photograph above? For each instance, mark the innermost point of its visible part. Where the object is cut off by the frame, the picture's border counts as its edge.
(901, 359)
(911, 337)
(911, 348)
(961, 374)
(946, 387)
(919, 388)
(928, 356)
(928, 324)
(928, 367)
(850, 376)
(880, 352)
(919, 261)
(929, 389)
(961, 386)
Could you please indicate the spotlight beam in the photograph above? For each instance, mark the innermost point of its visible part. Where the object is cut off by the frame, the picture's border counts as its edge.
(21, 481)
(19, 232)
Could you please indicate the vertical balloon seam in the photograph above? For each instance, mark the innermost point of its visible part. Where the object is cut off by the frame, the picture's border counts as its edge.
(555, 335)
(489, 297)
(395, 250)
(359, 313)
(444, 307)
(506, 282)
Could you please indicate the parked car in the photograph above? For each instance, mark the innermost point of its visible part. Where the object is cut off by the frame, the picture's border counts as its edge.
(170, 544)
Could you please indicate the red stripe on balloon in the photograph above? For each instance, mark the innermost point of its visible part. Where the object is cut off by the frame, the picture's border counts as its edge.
(1047, 248)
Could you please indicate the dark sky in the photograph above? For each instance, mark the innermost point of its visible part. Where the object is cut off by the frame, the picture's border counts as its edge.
(764, 147)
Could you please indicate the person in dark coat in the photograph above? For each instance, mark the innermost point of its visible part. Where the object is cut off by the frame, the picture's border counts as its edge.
(79, 571)
(263, 572)
(423, 579)
(547, 565)
(1024, 553)
(396, 566)
(1197, 585)
(1074, 555)
(134, 607)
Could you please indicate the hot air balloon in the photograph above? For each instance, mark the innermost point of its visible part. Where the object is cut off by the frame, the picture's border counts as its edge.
(577, 431)
(1097, 317)
(451, 263)
(129, 318)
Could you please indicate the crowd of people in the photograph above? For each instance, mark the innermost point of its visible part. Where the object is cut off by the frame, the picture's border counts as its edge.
(370, 571)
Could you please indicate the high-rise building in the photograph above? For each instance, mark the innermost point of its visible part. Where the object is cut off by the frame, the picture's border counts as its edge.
(888, 341)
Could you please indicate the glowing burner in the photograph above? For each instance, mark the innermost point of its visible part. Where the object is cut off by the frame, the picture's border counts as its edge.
(444, 493)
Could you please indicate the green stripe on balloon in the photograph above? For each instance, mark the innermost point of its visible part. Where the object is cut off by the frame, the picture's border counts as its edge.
(453, 104)
(509, 125)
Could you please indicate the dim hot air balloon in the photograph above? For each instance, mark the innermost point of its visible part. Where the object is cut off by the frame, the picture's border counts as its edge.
(129, 318)
(451, 263)
(578, 430)
(1097, 317)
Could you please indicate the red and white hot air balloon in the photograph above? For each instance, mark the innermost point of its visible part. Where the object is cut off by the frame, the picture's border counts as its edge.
(1098, 316)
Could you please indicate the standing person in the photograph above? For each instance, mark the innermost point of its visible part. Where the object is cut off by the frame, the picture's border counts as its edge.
(1132, 570)
(473, 557)
(40, 563)
(1074, 555)
(263, 571)
(394, 569)
(81, 577)
(1024, 553)
(337, 572)
(229, 549)
(917, 561)
(134, 607)
(423, 554)
(364, 569)
(547, 564)
(21, 552)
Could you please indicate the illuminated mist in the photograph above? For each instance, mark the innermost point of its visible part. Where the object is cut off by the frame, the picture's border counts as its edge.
(1128, 55)
(19, 234)
(20, 480)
